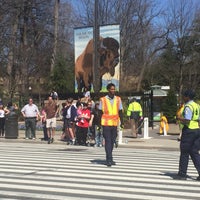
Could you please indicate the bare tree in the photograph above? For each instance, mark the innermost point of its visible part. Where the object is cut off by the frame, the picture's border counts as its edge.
(140, 40)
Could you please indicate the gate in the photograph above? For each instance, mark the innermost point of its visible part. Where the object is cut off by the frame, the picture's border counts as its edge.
(146, 101)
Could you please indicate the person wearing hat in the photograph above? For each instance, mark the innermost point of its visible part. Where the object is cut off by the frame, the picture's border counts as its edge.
(190, 138)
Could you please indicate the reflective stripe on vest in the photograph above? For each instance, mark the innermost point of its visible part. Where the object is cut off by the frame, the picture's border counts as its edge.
(110, 115)
(194, 122)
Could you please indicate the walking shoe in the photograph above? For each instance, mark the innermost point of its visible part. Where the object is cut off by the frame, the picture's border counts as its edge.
(49, 140)
(113, 162)
(33, 138)
(179, 177)
(116, 144)
(73, 142)
(26, 138)
(52, 140)
(198, 178)
(108, 163)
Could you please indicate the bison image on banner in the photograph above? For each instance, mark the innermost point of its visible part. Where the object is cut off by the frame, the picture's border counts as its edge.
(108, 55)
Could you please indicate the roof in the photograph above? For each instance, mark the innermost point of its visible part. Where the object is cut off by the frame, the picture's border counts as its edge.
(159, 93)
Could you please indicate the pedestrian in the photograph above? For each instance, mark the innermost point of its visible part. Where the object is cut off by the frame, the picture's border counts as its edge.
(69, 115)
(31, 114)
(82, 124)
(111, 111)
(134, 113)
(54, 95)
(63, 136)
(164, 126)
(3, 113)
(97, 126)
(190, 138)
(43, 121)
(51, 110)
(91, 129)
(12, 108)
(179, 114)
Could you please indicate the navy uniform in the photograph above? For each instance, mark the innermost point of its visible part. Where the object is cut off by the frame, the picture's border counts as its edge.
(190, 139)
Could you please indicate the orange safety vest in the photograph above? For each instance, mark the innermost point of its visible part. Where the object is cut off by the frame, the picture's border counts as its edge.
(110, 115)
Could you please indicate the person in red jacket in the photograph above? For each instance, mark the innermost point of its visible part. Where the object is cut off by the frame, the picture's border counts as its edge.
(82, 125)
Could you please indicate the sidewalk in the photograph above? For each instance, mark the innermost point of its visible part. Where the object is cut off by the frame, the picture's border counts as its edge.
(155, 140)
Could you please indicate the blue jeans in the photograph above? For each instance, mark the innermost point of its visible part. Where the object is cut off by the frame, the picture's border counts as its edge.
(98, 136)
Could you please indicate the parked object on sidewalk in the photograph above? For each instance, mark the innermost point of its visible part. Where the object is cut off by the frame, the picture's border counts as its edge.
(11, 121)
(11, 126)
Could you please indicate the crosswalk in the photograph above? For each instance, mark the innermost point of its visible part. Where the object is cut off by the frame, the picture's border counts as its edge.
(58, 172)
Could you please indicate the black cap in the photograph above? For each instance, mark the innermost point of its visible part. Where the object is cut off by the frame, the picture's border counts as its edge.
(189, 93)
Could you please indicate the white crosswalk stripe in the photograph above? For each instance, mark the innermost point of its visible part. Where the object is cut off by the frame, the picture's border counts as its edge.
(41, 171)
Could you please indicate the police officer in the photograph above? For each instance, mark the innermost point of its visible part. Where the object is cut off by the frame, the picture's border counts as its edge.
(190, 139)
(111, 108)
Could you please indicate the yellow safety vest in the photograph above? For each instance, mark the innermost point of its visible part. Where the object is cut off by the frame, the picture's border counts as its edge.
(110, 115)
(194, 122)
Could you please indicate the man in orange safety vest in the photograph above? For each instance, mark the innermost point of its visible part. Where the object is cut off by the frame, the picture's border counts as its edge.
(111, 110)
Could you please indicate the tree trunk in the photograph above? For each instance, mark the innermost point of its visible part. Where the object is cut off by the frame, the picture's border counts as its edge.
(56, 10)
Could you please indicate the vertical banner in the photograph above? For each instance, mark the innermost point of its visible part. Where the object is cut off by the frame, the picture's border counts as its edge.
(109, 58)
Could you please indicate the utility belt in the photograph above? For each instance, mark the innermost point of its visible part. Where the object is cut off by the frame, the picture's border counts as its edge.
(30, 117)
(185, 127)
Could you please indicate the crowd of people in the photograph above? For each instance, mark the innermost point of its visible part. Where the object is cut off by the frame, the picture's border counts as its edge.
(100, 121)
(81, 120)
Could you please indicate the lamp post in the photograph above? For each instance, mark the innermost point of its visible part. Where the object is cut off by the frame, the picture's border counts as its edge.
(30, 91)
(96, 83)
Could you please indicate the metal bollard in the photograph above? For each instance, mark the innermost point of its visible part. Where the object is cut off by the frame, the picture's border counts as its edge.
(164, 130)
(120, 133)
(146, 128)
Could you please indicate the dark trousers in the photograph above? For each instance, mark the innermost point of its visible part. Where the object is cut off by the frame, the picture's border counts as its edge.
(81, 135)
(189, 146)
(45, 130)
(2, 126)
(30, 124)
(110, 135)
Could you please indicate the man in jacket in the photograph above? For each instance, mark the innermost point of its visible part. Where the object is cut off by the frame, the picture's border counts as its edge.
(190, 138)
(111, 111)
(134, 113)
